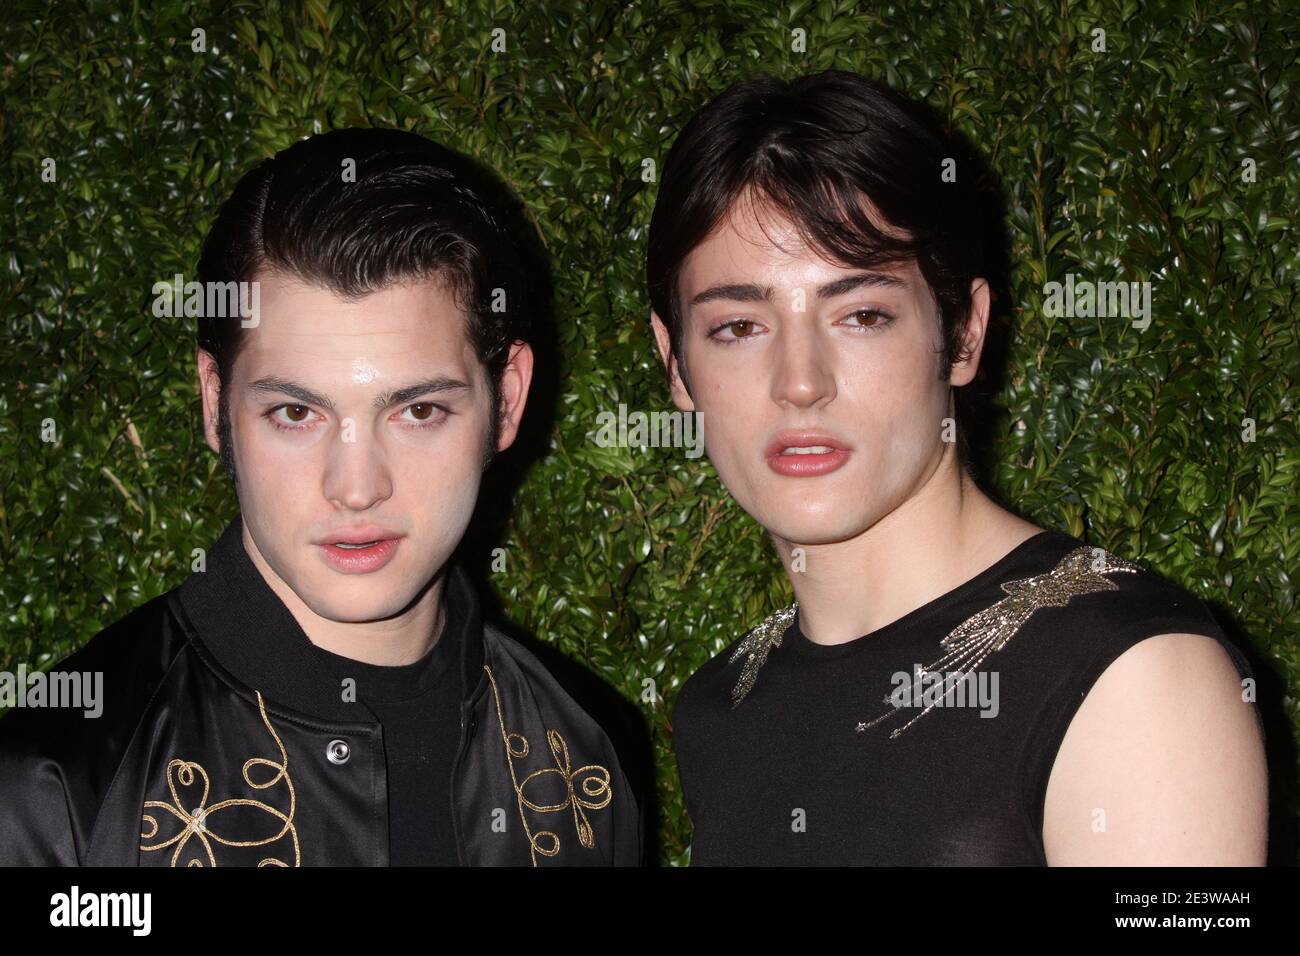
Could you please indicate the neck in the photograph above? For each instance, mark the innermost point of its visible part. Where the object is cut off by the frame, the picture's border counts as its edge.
(943, 534)
(402, 639)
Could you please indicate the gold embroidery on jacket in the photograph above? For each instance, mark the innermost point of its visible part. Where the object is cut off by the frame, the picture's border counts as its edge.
(197, 823)
(594, 785)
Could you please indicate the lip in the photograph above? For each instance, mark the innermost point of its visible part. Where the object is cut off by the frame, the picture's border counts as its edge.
(361, 560)
(806, 465)
(359, 535)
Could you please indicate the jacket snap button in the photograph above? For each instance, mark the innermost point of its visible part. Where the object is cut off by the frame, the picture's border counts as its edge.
(338, 752)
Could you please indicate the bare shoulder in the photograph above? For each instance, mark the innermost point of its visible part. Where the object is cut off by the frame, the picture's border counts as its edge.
(1162, 765)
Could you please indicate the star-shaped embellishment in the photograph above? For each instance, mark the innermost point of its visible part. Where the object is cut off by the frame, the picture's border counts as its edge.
(974, 639)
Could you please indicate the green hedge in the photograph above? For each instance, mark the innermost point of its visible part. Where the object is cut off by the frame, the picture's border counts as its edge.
(1126, 163)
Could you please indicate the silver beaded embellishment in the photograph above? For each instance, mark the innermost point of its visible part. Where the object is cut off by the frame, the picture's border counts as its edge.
(1079, 572)
(974, 639)
(756, 644)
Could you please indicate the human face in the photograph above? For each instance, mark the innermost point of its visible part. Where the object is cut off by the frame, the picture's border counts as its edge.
(785, 349)
(367, 419)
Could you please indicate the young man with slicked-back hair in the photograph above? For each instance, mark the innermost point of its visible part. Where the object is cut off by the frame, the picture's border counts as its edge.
(322, 690)
(953, 684)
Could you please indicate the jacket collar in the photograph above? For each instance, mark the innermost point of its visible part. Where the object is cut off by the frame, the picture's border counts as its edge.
(234, 613)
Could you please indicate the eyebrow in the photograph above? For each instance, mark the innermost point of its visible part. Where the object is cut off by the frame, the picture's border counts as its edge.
(742, 292)
(386, 399)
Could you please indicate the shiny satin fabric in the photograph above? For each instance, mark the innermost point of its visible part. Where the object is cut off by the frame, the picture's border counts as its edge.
(189, 766)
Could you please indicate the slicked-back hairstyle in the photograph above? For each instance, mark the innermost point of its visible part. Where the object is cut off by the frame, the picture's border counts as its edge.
(813, 149)
(416, 211)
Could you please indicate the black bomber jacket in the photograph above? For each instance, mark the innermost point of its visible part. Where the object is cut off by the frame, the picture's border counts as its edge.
(222, 742)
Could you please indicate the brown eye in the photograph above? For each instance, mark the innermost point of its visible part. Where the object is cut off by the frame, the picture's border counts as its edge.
(739, 329)
(289, 411)
(869, 317)
(424, 415)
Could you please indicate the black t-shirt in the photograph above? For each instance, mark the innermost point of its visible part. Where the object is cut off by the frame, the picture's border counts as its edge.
(418, 707)
(803, 770)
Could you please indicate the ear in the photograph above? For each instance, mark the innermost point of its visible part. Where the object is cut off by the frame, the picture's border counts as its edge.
(972, 343)
(209, 392)
(681, 397)
(515, 380)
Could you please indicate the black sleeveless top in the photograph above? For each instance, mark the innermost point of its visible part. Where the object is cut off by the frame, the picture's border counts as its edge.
(796, 753)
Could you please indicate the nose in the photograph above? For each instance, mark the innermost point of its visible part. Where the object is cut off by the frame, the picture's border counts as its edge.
(357, 475)
(804, 375)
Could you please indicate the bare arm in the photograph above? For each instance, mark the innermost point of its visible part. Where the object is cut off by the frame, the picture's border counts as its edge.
(1162, 765)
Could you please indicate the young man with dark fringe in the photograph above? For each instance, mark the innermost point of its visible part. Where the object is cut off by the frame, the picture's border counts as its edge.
(953, 684)
(322, 690)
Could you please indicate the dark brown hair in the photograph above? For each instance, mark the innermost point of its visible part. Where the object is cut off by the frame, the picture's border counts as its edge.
(813, 148)
(416, 210)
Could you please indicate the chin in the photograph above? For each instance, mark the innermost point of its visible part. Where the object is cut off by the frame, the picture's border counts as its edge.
(373, 608)
(815, 530)
(822, 522)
